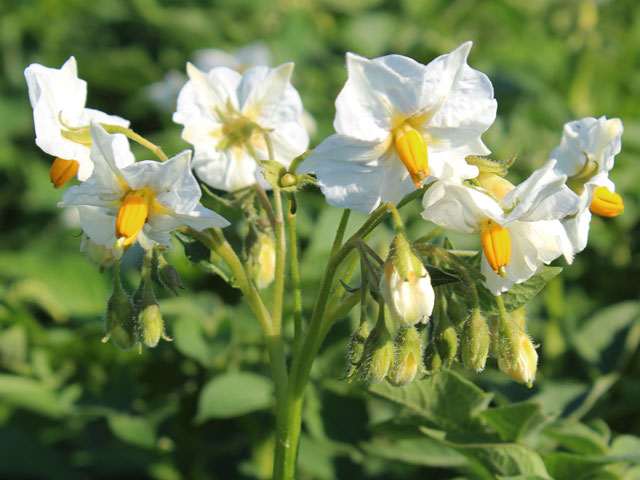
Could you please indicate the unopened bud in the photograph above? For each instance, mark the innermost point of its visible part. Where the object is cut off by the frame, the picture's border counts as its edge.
(288, 180)
(432, 359)
(119, 318)
(405, 284)
(526, 363)
(356, 349)
(98, 254)
(262, 260)
(408, 356)
(377, 354)
(446, 340)
(475, 342)
(150, 325)
(168, 276)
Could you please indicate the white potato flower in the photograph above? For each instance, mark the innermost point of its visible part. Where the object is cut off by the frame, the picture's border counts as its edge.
(226, 116)
(586, 155)
(519, 226)
(398, 122)
(142, 201)
(58, 99)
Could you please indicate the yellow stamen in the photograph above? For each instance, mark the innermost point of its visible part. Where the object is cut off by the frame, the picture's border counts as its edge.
(62, 171)
(132, 216)
(606, 203)
(496, 243)
(412, 150)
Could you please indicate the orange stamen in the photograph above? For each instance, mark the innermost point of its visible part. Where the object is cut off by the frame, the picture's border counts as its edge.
(412, 150)
(132, 215)
(62, 171)
(496, 244)
(606, 203)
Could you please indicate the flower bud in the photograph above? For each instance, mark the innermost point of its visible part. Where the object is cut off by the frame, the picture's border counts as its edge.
(168, 276)
(262, 260)
(98, 254)
(405, 284)
(432, 359)
(377, 354)
(150, 325)
(446, 341)
(356, 349)
(119, 318)
(408, 356)
(475, 342)
(526, 363)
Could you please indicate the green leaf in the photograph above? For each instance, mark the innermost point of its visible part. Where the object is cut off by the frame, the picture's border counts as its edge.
(601, 340)
(569, 466)
(519, 294)
(233, 394)
(22, 392)
(447, 399)
(440, 277)
(416, 451)
(512, 421)
(135, 430)
(576, 437)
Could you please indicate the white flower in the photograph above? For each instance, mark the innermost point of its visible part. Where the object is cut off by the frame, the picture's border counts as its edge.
(142, 201)
(58, 99)
(518, 225)
(586, 155)
(397, 122)
(226, 115)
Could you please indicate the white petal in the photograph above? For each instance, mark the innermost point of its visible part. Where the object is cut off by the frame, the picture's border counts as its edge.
(459, 208)
(358, 175)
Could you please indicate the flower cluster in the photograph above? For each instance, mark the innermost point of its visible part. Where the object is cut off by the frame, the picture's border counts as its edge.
(404, 130)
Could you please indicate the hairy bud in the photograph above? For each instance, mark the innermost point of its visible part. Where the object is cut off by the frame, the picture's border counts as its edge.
(355, 350)
(526, 363)
(168, 276)
(377, 354)
(432, 359)
(119, 317)
(475, 342)
(408, 356)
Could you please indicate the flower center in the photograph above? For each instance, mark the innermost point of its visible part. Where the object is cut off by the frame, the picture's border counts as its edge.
(237, 129)
(496, 244)
(412, 150)
(606, 203)
(62, 171)
(132, 215)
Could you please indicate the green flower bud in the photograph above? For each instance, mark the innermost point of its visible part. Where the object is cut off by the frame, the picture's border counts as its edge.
(475, 342)
(150, 325)
(119, 317)
(408, 356)
(356, 349)
(168, 276)
(432, 359)
(446, 341)
(377, 354)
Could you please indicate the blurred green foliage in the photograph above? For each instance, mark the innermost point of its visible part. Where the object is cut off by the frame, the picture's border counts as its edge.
(200, 407)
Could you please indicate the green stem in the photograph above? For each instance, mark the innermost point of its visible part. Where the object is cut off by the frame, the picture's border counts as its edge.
(215, 241)
(432, 234)
(281, 260)
(397, 221)
(295, 281)
(264, 202)
(157, 151)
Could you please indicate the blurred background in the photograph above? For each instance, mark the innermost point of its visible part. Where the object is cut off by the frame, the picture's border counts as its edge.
(200, 407)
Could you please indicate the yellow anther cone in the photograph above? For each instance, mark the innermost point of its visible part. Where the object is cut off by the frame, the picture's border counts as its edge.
(62, 171)
(496, 244)
(131, 217)
(606, 203)
(412, 150)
